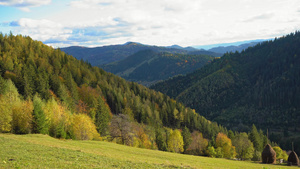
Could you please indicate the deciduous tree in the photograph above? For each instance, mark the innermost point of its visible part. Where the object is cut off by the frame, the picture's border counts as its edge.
(175, 141)
(223, 142)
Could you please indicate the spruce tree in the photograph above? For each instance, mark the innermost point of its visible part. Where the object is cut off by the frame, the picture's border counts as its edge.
(187, 138)
(255, 139)
(39, 118)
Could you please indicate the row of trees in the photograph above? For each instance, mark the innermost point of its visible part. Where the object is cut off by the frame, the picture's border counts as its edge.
(51, 117)
(43, 90)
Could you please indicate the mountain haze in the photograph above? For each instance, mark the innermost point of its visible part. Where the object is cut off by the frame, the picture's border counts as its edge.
(232, 48)
(103, 55)
(147, 67)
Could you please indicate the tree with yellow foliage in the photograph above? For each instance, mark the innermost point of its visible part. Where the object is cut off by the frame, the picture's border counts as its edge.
(175, 141)
(22, 117)
(223, 142)
(84, 128)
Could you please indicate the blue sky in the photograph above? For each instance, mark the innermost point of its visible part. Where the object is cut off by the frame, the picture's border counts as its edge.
(61, 23)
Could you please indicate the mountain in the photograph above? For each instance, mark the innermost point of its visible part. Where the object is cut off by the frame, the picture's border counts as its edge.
(147, 67)
(233, 48)
(44, 90)
(186, 48)
(103, 55)
(260, 86)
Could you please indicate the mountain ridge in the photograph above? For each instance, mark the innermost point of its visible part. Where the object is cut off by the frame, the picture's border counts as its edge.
(106, 54)
(147, 67)
(257, 86)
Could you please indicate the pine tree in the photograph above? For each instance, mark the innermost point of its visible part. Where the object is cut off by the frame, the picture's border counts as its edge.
(40, 124)
(102, 117)
(160, 141)
(187, 139)
(255, 139)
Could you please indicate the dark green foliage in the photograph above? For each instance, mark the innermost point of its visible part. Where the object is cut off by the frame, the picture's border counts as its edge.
(147, 67)
(2, 85)
(258, 86)
(255, 138)
(160, 140)
(36, 68)
(187, 138)
(40, 124)
(103, 55)
(102, 117)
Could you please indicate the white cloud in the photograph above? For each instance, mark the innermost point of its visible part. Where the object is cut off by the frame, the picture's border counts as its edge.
(24, 5)
(260, 17)
(163, 22)
(44, 30)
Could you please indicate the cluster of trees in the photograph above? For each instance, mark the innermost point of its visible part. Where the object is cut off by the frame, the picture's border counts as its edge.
(39, 116)
(259, 85)
(37, 69)
(147, 66)
(43, 90)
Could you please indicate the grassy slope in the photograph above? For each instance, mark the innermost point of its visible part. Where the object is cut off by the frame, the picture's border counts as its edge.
(41, 151)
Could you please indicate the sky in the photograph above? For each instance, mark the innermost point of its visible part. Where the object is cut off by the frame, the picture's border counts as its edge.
(62, 23)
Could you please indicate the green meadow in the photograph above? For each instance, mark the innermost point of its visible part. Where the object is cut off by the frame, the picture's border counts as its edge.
(42, 151)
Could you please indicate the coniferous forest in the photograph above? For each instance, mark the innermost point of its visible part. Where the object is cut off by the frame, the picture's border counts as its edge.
(258, 86)
(43, 90)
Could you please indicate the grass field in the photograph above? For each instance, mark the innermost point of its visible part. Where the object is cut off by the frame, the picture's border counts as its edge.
(41, 151)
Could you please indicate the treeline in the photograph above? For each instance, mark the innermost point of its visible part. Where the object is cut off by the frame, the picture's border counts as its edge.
(259, 85)
(43, 90)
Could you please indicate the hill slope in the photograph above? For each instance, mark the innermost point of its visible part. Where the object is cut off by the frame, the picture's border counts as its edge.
(20, 151)
(258, 86)
(147, 67)
(107, 54)
(29, 69)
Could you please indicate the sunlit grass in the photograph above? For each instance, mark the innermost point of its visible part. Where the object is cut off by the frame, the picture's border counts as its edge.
(41, 151)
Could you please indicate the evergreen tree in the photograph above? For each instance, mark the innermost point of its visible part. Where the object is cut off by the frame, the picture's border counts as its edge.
(40, 124)
(187, 138)
(102, 117)
(160, 141)
(255, 139)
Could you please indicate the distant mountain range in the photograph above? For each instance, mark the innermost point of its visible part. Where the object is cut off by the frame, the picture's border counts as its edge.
(147, 66)
(106, 54)
(103, 55)
(232, 48)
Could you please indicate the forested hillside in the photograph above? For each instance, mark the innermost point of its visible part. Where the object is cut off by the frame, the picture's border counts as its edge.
(106, 54)
(44, 90)
(260, 86)
(147, 67)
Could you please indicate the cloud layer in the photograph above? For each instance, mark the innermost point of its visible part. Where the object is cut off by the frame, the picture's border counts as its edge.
(24, 4)
(164, 22)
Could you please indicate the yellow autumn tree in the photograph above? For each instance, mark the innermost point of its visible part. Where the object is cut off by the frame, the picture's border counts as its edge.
(175, 141)
(8, 99)
(5, 115)
(224, 143)
(22, 117)
(141, 138)
(84, 128)
(59, 118)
